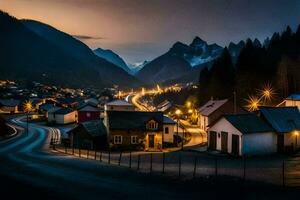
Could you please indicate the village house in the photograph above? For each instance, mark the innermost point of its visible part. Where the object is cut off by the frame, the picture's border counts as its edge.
(242, 134)
(88, 112)
(138, 130)
(292, 100)
(89, 135)
(9, 105)
(58, 115)
(119, 105)
(286, 123)
(213, 110)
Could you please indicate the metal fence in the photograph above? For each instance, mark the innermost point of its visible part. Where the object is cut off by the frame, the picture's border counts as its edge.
(189, 165)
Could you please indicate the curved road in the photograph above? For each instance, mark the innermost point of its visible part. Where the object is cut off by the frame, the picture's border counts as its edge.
(26, 160)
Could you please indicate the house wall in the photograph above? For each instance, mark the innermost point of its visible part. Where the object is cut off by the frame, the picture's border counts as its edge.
(50, 117)
(126, 138)
(119, 108)
(290, 140)
(170, 136)
(9, 109)
(62, 119)
(203, 122)
(224, 125)
(84, 116)
(292, 103)
(259, 143)
(250, 144)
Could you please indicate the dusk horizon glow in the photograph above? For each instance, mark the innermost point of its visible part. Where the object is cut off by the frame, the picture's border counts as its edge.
(140, 30)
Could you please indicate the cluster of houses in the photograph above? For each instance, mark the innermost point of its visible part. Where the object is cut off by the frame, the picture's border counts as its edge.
(232, 130)
(122, 128)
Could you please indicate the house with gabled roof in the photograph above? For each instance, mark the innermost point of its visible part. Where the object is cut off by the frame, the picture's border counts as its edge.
(89, 135)
(213, 110)
(88, 112)
(59, 115)
(286, 123)
(139, 130)
(242, 134)
(292, 100)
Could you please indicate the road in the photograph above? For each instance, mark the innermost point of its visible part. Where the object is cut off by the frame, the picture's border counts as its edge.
(26, 159)
(198, 136)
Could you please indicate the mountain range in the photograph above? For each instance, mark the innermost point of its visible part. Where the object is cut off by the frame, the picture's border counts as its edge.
(31, 50)
(183, 63)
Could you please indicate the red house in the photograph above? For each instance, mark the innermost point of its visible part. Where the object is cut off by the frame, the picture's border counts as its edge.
(87, 112)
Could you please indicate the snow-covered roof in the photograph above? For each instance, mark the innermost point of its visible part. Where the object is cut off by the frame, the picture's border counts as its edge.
(211, 106)
(119, 103)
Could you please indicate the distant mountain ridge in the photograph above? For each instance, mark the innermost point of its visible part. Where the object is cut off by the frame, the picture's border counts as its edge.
(31, 50)
(185, 60)
(112, 57)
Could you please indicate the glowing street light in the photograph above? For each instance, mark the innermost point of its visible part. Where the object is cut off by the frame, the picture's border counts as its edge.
(188, 104)
(27, 109)
(190, 111)
(296, 133)
(253, 103)
(178, 113)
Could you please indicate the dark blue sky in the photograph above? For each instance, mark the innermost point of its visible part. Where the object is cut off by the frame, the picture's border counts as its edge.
(144, 29)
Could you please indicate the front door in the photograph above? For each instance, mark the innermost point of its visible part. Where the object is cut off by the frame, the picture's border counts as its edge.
(235, 145)
(212, 140)
(280, 143)
(151, 141)
(224, 141)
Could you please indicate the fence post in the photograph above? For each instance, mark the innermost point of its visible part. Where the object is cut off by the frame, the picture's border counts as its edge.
(130, 160)
(73, 150)
(244, 165)
(283, 174)
(139, 158)
(109, 157)
(95, 154)
(179, 166)
(79, 151)
(195, 167)
(120, 158)
(100, 159)
(150, 163)
(216, 166)
(163, 164)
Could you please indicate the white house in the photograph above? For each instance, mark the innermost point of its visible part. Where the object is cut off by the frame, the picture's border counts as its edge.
(292, 100)
(61, 116)
(286, 122)
(242, 134)
(9, 105)
(208, 112)
(119, 105)
(168, 129)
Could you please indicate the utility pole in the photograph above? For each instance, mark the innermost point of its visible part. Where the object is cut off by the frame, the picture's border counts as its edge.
(234, 102)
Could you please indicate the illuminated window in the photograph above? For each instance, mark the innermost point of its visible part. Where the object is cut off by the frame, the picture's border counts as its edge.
(134, 140)
(152, 125)
(118, 139)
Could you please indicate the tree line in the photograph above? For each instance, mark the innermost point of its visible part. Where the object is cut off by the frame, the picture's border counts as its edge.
(277, 63)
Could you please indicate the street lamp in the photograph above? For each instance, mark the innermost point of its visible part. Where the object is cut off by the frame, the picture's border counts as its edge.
(296, 133)
(178, 113)
(188, 104)
(27, 109)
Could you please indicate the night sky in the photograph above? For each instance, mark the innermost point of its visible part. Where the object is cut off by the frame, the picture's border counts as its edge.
(142, 29)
